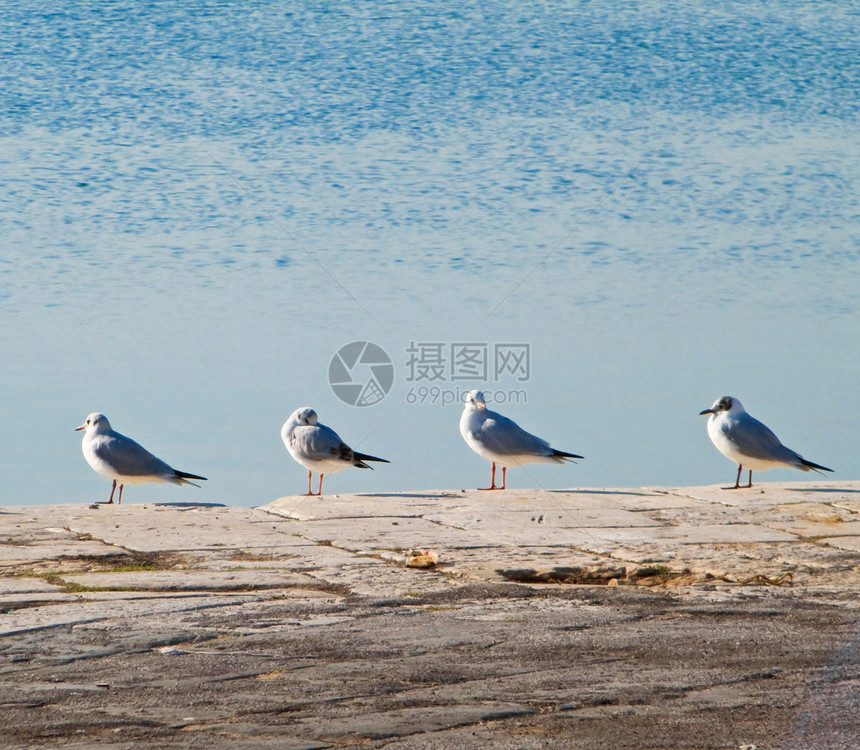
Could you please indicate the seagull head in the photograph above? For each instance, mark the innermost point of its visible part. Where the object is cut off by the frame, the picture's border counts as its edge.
(475, 399)
(726, 404)
(304, 416)
(95, 424)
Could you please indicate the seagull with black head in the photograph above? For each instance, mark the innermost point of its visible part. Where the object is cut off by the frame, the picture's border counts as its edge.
(750, 443)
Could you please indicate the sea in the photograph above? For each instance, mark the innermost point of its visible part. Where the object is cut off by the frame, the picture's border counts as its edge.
(604, 215)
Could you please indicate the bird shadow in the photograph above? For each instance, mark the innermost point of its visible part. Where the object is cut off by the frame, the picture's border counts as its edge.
(189, 505)
(602, 492)
(429, 495)
(821, 489)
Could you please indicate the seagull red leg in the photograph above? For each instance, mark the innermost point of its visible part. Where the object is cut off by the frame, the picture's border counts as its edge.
(504, 471)
(119, 499)
(750, 479)
(738, 479)
(112, 490)
(319, 494)
(493, 480)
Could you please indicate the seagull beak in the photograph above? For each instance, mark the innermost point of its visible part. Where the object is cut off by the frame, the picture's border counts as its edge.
(707, 411)
(82, 427)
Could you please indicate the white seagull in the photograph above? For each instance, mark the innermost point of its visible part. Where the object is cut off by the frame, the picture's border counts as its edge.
(319, 448)
(744, 439)
(502, 441)
(120, 458)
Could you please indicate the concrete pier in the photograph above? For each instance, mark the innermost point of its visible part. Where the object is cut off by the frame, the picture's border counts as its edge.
(587, 618)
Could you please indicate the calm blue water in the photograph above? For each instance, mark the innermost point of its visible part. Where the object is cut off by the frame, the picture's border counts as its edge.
(202, 203)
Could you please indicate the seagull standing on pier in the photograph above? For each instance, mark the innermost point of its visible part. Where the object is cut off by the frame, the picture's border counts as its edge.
(745, 440)
(319, 448)
(502, 441)
(124, 461)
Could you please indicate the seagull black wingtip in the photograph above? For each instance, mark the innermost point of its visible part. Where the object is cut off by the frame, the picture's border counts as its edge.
(185, 475)
(365, 457)
(817, 467)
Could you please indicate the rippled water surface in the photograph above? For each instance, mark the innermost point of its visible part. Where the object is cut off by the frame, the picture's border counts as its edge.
(202, 203)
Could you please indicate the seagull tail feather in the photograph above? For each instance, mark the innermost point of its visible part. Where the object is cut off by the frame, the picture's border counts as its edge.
(182, 477)
(807, 465)
(360, 458)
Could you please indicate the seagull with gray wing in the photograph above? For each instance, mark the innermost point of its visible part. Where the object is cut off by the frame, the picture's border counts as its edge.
(319, 448)
(502, 441)
(748, 442)
(121, 459)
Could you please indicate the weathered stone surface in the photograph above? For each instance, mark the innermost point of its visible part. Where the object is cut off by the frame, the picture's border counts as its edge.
(849, 543)
(190, 580)
(641, 618)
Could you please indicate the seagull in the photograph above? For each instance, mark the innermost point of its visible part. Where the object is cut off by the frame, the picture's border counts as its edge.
(119, 458)
(502, 441)
(741, 438)
(319, 448)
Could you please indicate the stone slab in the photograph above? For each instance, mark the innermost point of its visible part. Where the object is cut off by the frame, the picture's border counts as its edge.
(299, 625)
(23, 585)
(848, 543)
(385, 532)
(192, 580)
